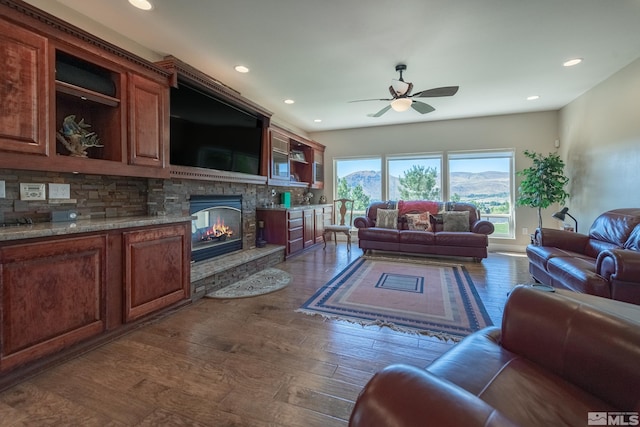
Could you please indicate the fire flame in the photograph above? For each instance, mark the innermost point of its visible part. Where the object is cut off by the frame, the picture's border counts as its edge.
(217, 230)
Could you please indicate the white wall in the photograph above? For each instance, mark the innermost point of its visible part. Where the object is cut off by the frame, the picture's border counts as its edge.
(600, 142)
(533, 131)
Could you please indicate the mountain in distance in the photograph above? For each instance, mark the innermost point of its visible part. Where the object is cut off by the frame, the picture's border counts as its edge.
(479, 185)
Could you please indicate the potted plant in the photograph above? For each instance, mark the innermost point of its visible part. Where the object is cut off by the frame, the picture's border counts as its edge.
(543, 182)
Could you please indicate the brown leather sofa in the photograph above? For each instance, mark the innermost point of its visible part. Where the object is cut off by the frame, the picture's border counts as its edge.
(557, 357)
(472, 243)
(606, 262)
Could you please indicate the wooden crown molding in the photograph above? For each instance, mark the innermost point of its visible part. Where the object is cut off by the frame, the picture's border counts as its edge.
(56, 27)
(182, 69)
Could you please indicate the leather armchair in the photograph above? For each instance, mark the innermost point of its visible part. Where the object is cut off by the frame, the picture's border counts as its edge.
(556, 357)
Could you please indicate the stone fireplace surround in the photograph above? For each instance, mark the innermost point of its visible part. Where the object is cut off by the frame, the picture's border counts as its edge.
(99, 196)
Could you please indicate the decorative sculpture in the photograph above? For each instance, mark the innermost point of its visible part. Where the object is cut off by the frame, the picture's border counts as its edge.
(307, 197)
(76, 138)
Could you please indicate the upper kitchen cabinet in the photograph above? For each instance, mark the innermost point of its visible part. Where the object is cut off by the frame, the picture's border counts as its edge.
(295, 161)
(279, 171)
(78, 102)
(89, 109)
(24, 89)
(148, 125)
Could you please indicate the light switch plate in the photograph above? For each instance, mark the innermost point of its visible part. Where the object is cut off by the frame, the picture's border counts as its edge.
(59, 191)
(3, 192)
(32, 191)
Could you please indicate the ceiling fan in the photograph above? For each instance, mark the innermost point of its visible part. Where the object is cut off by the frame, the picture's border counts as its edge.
(401, 97)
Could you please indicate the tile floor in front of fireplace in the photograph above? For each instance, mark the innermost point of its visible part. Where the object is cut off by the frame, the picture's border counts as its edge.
(249, 362)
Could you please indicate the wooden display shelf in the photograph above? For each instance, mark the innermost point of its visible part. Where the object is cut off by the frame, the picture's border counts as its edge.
(86, 94)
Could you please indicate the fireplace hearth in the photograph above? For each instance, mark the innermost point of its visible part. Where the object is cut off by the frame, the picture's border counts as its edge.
(217, 226)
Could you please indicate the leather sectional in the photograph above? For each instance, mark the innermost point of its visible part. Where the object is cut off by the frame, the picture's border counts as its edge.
(605, 262)
(472, 243)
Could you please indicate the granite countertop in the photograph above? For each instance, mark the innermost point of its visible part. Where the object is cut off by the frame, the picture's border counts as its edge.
(46, 229)
(292, 208)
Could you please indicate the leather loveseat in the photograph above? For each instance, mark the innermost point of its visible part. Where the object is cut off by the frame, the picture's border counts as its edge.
(606, 262)
(436, 240)
(559, 359)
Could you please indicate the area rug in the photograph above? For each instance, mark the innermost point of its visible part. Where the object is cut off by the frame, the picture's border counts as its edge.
(422, 297)
(260, 283)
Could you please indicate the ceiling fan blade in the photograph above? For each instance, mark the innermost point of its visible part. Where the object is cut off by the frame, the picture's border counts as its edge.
(421, 107)
(381, 112)
(373, 99)
(438, 91)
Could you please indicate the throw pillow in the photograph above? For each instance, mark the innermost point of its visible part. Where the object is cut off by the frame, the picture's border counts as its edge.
(387, 218)
(455, 221)
(435, 220)
(419, 222)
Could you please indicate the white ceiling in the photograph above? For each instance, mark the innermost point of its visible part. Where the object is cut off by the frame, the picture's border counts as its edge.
(325, 53)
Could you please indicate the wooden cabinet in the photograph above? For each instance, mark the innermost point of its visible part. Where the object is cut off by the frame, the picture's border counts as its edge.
(295, 229)
(295, 161)
(88, 91)
(318, 168)
(309, 221)
(61, 293)
(52, 296)
(148, 124)
(57, 77)
(24, 87)
(279, 171)
(155, 263)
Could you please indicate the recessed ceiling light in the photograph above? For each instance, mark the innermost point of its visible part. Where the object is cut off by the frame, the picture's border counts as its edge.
(533, 97)
(141, 4)
(318, 120)
(241, 69)
(289, 101)
(572, 62)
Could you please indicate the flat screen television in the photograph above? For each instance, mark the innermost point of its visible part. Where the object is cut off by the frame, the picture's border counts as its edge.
(210, 133)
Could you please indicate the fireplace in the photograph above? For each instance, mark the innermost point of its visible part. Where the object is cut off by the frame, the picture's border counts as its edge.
(217, 226)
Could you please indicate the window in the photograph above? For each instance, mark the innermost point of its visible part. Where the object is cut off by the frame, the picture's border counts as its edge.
(359, 179)
(415, 177)
(485, 178)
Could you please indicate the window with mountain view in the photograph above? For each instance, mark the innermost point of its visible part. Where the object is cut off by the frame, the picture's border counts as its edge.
(358, 179)
(485, 179)
(415, 177)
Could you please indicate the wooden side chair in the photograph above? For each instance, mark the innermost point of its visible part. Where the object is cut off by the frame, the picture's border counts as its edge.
(341, 207)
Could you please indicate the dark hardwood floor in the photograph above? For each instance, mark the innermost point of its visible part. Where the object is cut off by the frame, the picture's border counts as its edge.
(241, 362)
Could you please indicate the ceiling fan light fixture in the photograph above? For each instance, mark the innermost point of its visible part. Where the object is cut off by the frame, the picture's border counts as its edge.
(141, 4)
(401, 104)
(399, 86)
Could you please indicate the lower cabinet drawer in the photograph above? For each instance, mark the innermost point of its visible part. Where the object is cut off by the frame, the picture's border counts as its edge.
(296, 245)
(296, 233)
(293, 223)
(295, 214)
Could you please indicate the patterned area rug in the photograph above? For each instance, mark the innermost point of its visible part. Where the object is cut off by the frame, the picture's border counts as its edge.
(423, 297)
(263, 282)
